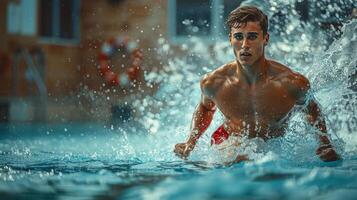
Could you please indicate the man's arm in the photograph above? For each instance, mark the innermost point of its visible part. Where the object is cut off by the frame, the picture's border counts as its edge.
(325, 150)
(299, 86)
(201, 119)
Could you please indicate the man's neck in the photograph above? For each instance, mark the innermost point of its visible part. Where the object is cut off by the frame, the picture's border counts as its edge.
(255, 72)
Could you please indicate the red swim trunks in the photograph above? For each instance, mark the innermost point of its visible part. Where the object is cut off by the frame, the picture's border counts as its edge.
(219, 136)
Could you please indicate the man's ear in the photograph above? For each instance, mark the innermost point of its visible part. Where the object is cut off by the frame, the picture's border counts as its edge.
(266, 39)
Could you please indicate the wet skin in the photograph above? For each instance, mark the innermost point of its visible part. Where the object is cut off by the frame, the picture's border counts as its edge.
(255, 95)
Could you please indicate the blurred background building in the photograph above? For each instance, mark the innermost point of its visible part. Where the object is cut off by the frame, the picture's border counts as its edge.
(49, 50)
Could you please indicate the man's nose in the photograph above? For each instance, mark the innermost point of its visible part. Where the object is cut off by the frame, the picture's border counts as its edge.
(245, 44)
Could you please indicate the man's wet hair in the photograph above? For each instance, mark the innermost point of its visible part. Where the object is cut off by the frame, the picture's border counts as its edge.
(242, 15)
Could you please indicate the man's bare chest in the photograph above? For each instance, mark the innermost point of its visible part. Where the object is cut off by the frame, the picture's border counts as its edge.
(268, 102)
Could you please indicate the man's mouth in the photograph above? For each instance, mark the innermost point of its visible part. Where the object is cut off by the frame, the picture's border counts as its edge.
(245, 54)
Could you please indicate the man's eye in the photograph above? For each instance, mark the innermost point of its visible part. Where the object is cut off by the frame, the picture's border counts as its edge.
(238, 36)
(252, 37)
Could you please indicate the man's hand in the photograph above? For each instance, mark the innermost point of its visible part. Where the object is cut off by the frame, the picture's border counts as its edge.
(327, 153)
(183, 150)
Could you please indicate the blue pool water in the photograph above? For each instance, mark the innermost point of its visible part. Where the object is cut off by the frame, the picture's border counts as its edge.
(82, 161)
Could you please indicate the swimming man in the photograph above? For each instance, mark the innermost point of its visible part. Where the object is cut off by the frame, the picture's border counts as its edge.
(254, 94)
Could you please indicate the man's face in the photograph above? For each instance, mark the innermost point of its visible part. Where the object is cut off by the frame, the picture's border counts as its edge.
(248, 43)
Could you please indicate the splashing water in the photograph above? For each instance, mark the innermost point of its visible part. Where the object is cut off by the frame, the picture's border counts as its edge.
(88, 160)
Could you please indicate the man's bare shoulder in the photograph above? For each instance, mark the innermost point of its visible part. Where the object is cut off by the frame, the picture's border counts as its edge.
(218, 74)
(213, 80)
(278, 71)
(294, 82)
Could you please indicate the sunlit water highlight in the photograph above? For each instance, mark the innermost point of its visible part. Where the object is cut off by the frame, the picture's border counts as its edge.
(81, 161)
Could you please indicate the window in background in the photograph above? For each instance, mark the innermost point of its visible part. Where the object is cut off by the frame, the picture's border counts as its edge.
(59, 21)
(21, 17)
(189, 18)
(201, 18)
(193, 18)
